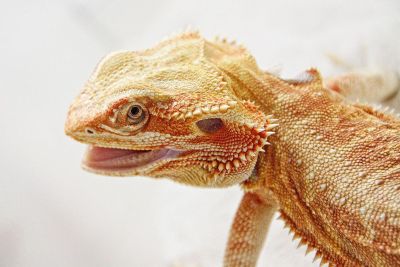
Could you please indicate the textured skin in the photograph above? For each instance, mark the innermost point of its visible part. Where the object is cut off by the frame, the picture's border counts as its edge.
(256, 209)
(332, 171)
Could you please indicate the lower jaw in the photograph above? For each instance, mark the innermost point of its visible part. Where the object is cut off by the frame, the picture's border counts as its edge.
(113, 173)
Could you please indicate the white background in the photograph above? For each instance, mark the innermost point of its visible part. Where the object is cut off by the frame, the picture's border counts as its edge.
(54, 214)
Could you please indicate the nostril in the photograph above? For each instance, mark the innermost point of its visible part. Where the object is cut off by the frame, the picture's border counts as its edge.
(89, 131)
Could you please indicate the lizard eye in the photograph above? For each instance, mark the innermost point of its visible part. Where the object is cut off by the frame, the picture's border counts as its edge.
(210, 125)
(136, 114)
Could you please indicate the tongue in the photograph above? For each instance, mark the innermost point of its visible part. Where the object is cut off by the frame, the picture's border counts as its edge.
(119, 159)
(95, 153)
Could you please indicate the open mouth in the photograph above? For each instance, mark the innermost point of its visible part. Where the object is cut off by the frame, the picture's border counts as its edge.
(117, 160)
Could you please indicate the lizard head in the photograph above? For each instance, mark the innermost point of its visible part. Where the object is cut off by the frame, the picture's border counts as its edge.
(169, 111)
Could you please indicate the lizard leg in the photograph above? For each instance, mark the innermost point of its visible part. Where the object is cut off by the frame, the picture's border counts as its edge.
(374, 86)
(248, 230)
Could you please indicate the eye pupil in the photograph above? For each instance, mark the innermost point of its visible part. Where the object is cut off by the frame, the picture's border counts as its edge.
(134, 110)
(136, 114)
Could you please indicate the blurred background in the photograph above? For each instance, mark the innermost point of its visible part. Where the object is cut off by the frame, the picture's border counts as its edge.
(54, 214)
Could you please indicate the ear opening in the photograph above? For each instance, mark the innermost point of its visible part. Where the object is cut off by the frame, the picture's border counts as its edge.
(210, 125)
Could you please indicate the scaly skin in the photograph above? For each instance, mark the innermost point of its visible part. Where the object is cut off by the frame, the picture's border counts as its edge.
(332, 171)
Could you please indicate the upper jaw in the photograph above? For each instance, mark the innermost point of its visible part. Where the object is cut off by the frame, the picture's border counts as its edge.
(123, 162)
(120, 157)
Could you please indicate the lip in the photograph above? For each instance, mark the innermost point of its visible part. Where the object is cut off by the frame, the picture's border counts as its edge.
(100, 159)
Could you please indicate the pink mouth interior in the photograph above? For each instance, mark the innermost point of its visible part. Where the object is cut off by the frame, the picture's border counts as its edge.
(121, 159)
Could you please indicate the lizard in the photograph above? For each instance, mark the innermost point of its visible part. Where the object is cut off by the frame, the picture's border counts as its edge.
(203, 113)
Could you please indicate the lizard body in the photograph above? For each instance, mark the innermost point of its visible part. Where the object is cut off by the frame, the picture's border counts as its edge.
(198, 112)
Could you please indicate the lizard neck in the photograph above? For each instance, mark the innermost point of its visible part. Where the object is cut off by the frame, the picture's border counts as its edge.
(266, 90)
(285, 169)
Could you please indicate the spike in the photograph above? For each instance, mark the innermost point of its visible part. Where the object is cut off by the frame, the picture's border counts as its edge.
(175, 114)
(268, 117)
(250, 124)
(221, 167)
(197, 111)
(228, 166)
(232, 103)
(301, 243)
(317, 256)
(236, 163)
(189, 114)
(242, 157)
(205, 109)
(265, 142)
(323, 261)
(210, 167)
(295, 236)
(273, 120)
(214, 109)
(224, 107)
(181, 116)
(261, 129)
(309, 249)
(270, 133)
(271, 126)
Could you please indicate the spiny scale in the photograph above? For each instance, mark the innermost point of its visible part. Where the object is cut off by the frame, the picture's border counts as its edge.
(241, 158)
(303, 242)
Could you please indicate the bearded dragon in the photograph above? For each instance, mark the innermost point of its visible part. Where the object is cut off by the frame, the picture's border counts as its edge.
(203, 113)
